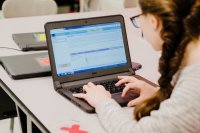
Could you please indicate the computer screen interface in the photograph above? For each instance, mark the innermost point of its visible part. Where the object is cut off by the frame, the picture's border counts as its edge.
(88, 48)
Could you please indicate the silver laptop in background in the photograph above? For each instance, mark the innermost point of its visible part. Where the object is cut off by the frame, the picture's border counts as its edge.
(27, 65)
(30, 41)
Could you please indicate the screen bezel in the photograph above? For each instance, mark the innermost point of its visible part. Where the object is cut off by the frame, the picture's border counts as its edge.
(83, 22)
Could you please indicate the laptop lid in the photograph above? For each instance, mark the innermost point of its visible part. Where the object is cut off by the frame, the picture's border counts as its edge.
(27, 66)
(86, 48)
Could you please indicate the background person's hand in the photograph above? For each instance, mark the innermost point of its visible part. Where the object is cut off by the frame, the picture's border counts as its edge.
(131, 83)
(94, 94)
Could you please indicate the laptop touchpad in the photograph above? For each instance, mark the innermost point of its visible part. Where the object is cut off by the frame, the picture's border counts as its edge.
(124, 100)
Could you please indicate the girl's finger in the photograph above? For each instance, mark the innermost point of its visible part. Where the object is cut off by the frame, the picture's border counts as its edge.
(80, 95)
(90, 84)
(135, 102)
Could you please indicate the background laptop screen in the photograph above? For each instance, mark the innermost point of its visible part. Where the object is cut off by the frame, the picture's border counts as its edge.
(94, 47)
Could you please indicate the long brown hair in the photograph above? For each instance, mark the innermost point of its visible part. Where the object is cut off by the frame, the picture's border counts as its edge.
(180, 20)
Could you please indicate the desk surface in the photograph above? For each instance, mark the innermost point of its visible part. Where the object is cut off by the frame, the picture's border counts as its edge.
(36, 96)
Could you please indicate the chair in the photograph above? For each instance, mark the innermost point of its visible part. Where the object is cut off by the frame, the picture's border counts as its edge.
(93, 5)
(84, 5)
(24, 8)
(130, 3)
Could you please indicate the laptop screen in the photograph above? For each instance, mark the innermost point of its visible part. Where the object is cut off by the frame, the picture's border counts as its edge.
(88, 48)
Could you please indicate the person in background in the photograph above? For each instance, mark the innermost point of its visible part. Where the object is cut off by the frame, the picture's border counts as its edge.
(101, 5)
(172, 26)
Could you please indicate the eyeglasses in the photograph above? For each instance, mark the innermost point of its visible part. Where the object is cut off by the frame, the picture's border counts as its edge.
(135, 21)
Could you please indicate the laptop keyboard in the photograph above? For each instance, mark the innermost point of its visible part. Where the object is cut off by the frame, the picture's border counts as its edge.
(109, 86)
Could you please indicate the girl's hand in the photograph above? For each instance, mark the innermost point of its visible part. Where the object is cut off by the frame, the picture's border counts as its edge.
(125, 79)
(131, 83)
(94, 94)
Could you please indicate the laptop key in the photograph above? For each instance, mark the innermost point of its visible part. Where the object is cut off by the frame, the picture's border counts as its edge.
(109, 86)
(77, 90)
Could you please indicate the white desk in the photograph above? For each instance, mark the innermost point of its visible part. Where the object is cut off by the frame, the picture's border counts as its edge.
(36, 97)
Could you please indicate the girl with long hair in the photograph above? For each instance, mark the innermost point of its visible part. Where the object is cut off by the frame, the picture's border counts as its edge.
(172, 26)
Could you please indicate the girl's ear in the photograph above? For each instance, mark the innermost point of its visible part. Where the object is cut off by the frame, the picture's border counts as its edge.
(155, 22)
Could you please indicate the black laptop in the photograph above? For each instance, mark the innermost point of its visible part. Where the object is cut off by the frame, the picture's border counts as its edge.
(27, 65)
(89, 50)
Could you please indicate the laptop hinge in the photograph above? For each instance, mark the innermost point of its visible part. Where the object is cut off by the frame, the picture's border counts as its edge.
(132, 71)
(57, 85)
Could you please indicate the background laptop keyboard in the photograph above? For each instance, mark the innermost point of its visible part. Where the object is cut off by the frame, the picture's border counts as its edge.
(109, 86)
